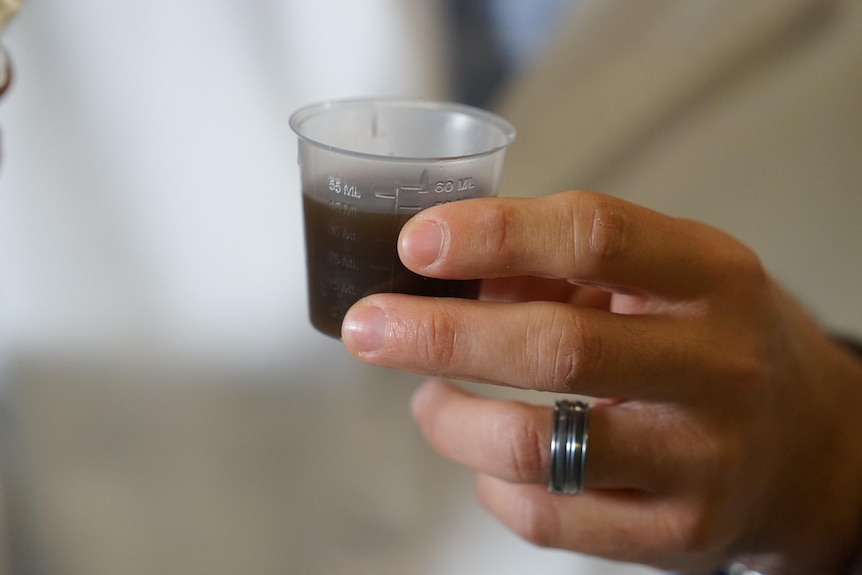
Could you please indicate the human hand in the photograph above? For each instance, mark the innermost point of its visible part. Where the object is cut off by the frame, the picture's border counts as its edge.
(5, 81)
(725, 422)
(5, 72)
(8, 8)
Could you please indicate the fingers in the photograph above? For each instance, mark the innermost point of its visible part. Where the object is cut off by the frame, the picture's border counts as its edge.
(585, 237)
(535, 345)
(511, 440)
(641, 501)
(619, 525)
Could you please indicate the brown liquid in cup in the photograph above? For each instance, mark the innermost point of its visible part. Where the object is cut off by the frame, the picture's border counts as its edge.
(351, 254)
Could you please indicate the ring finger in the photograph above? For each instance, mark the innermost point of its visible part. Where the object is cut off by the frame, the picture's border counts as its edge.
(510, 440)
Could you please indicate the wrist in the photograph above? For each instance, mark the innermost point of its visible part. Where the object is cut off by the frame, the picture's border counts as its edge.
(834, 547)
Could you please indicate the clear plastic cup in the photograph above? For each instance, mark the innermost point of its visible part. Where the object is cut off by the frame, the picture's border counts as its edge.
(367, 166)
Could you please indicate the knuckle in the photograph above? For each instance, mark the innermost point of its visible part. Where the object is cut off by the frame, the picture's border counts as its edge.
(748, 369)
(694, 530)
(497, 224)
(745, 364)
(743, 275)
(698, 520)
(436, 338)
(751, 269)
(570, 353)
(751, 362)
(604, 236)
(525, 449)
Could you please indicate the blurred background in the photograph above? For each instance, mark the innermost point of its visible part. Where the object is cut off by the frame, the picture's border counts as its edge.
(166, 406)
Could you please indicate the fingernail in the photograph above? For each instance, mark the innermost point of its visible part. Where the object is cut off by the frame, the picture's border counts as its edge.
(364, 329)
(421, 241)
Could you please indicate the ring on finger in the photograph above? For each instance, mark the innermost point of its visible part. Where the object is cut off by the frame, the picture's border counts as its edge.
(568, 447)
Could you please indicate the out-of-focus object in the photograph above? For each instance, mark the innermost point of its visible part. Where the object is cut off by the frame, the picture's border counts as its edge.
(8, 8)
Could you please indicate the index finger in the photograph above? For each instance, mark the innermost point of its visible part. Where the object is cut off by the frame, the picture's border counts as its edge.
(584, 237)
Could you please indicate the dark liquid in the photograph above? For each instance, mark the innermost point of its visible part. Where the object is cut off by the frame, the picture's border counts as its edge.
(351, 254)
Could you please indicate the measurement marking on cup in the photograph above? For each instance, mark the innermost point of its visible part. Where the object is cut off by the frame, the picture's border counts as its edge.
(341, 233)
(344, 261)
(343, 209)
(339, 285)
(403, 193)
(337, 186)
(449, 186)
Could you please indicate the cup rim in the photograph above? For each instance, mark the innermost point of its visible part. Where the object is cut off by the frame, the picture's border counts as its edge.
(298, 117)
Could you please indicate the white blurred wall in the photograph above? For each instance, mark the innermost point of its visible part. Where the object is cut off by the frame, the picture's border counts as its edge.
(150, 190)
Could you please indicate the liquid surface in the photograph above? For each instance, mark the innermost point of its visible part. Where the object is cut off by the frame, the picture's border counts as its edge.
(351, 254)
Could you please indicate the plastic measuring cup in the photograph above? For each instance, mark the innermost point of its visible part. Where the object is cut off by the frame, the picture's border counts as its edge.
(367, 166)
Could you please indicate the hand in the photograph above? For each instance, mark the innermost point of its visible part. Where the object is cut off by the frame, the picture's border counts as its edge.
(5, 77)
(725, 422)
(5, 72)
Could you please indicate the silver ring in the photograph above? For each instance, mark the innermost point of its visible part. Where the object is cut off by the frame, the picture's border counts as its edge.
(568, 447)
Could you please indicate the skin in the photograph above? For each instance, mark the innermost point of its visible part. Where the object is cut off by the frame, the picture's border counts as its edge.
(5, 73)
(722, 425)
(8, 9)
(5, 79)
